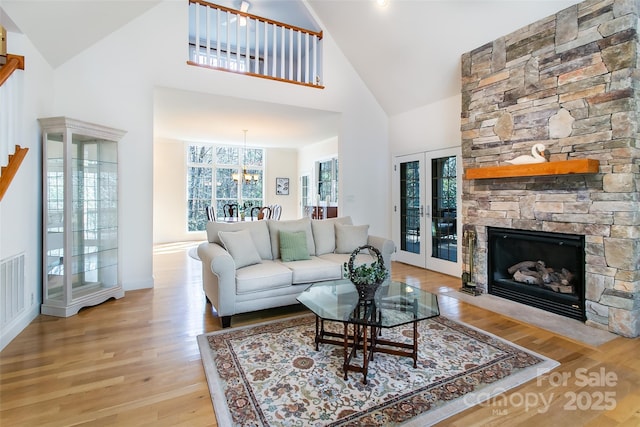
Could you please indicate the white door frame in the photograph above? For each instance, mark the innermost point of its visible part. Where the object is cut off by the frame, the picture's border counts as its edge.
(424, 258)
(407, 256)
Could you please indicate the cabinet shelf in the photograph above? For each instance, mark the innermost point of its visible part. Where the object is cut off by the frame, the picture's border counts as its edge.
(565, 167)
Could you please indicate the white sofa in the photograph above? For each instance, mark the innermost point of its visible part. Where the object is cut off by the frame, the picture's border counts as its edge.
(246, 266)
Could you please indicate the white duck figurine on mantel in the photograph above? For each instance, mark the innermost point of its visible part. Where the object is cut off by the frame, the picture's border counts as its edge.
(537, 152)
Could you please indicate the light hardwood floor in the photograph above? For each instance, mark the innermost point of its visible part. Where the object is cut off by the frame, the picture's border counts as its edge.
(135, 362)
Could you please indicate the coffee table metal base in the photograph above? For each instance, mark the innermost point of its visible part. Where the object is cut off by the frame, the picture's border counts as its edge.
(365, 338)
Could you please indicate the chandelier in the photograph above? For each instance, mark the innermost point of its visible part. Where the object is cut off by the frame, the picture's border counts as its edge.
(245, 173)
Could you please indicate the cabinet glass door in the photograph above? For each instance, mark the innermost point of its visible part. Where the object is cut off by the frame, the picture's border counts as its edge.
(94, 222)
(54, 221)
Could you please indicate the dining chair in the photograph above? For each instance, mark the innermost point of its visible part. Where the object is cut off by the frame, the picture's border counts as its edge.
(265, 212)
(255, 212)
(211, 213)
(276, 211)
(230, 210)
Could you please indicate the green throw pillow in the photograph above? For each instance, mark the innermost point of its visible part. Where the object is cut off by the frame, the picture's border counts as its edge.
(293, 246)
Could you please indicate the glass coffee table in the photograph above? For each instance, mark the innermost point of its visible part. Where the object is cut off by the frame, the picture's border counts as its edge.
(394, 304)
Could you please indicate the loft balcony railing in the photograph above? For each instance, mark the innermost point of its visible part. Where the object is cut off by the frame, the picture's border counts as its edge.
(231, 40)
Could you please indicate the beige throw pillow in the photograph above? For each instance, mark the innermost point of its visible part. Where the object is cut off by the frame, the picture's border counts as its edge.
(324, 233)
(259, 233)
(240, 246)
(350, 237)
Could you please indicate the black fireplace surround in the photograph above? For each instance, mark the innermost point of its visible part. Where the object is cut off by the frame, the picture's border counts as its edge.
(561, 252)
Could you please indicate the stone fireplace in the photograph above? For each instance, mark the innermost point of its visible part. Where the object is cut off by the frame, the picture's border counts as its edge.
(570, 82)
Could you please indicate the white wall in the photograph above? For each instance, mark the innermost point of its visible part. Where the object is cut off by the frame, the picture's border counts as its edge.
(20, 209)
(170, 193)
(282, 163)
(312, 153)
(112, 83)
(431, 127)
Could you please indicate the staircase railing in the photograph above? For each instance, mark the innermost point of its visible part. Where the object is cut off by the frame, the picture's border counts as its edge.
(231, 40)
(11, 155)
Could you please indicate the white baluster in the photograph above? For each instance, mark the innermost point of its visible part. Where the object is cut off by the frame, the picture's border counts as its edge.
(306, 58)
(291, 54)
(299, 73)
(218, 37)
(266, 48)
(282, 52)
(275, 51)
(196, 51)
(247, 58)
(4, 122)
(208, 35)
(257, 69)
(238, 50)
(315, 60)
(228, 64)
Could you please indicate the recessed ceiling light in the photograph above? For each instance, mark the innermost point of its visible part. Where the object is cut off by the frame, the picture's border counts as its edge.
(382, 3)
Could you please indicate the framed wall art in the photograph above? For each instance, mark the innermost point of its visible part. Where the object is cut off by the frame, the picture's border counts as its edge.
(282, 186)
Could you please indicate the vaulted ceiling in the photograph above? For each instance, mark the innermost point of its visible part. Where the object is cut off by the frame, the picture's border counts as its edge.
(407, 53)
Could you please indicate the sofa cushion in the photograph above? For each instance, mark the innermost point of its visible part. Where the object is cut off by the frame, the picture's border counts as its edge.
(302, 224)
(240, 246)
(313, 270)
(293, 245)
(264, 276)
(324, 233)
(350, 237)
(259, 233)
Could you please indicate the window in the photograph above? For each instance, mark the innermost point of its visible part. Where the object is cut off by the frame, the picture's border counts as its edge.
(235, 182)
(328, 180)
(305, 194)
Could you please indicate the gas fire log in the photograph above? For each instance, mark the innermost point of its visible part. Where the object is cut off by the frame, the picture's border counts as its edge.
(528, 277)
(538, 274)
(524, 265)
(557, 287)
(567, 276)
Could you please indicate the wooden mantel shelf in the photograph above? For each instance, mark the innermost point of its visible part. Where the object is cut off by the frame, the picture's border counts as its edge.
(565, 167)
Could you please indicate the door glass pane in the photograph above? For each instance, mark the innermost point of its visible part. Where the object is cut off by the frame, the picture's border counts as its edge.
(410, 207)
(444, 234)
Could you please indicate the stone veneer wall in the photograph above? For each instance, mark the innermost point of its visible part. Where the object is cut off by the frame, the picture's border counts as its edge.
(571, 82)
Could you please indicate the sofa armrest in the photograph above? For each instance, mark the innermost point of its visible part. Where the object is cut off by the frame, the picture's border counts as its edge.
(218, 277)
(385, 246)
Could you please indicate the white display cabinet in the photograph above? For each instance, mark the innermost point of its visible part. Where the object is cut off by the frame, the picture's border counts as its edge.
(80, 215)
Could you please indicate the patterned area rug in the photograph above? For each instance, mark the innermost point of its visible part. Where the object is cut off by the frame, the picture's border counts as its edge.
(271, 375)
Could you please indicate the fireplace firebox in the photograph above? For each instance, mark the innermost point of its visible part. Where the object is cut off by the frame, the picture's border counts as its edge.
(540, 269)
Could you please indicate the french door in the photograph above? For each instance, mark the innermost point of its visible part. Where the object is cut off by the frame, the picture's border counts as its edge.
(425, 210)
